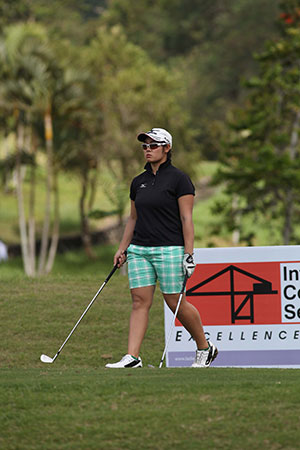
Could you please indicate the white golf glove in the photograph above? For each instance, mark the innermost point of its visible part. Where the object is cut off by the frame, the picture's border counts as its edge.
(188, 264)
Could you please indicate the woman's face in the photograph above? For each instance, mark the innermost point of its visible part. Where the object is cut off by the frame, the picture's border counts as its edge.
(156, 155)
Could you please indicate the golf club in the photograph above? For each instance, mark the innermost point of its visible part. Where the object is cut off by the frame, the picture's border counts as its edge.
(47, 359)
(173, 323)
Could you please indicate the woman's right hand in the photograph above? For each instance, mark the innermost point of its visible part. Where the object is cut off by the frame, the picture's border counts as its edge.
(120, 257)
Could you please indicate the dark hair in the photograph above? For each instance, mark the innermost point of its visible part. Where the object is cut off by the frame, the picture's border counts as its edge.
(169, 154)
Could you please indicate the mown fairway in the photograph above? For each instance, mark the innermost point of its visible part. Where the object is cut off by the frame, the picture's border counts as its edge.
(78, 404)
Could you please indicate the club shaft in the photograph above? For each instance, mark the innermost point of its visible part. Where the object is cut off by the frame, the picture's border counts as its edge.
(170, 331)
(173, 322)
(85, 311)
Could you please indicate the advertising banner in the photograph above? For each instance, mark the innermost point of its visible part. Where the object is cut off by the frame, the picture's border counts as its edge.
(249, 302)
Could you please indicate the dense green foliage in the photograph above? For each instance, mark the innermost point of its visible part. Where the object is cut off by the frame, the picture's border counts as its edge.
(79, 79)
(261, 158)
(209, 43)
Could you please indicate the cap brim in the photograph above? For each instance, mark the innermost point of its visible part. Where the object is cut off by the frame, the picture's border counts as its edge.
(142, 137)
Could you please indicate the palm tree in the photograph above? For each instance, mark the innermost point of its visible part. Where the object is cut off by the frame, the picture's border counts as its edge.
(28, 81)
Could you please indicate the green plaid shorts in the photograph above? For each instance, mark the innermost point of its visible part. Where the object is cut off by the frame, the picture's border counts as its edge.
(146, 265)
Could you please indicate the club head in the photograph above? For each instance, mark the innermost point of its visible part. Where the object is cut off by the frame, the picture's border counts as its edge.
(46, 359)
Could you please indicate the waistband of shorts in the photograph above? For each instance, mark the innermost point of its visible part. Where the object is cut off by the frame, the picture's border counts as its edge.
(154, 247)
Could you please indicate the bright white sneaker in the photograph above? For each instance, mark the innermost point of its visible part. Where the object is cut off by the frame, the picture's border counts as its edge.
(127, 361)
(204, 358)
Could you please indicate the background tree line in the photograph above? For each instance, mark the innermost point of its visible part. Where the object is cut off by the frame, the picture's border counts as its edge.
(79, 79)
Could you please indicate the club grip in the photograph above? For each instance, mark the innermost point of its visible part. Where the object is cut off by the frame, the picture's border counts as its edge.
(184, 283)
(111, 273)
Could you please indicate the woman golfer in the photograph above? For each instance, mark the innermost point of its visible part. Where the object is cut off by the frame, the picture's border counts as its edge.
(159, 239)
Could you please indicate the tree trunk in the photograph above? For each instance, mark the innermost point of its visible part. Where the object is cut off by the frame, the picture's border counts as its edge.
(31, 213)
(47, 216)
(84, 220)
(55, 231)
(236, 234)
(93, 188)
(20, 198)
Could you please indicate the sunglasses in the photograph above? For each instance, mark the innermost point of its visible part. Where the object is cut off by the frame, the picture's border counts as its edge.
(152, 146)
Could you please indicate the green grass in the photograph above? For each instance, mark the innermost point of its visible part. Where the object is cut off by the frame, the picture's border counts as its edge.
(78, 404)
(149, 409)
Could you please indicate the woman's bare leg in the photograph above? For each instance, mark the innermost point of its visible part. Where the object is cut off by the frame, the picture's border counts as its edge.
(189, 317)
(141, 303)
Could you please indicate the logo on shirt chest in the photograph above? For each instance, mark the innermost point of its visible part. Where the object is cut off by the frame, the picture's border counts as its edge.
(143, 185)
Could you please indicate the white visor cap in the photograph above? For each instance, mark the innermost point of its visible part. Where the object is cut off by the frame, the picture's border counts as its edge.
(158, 135)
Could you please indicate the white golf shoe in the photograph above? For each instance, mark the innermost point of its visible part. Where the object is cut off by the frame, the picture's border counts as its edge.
(127, 361)
(204, 358)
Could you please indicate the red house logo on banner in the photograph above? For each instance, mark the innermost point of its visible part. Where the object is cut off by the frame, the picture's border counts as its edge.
(236, 293)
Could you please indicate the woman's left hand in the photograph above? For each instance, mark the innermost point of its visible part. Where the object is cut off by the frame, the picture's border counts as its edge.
(188, 264)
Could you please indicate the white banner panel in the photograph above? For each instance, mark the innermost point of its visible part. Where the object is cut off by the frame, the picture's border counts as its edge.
(249, 302)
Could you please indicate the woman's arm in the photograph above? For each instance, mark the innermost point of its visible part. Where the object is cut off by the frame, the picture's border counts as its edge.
(120, 257)
(186, 203)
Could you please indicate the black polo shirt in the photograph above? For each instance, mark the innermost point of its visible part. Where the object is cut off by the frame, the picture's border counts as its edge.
(156, 201)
